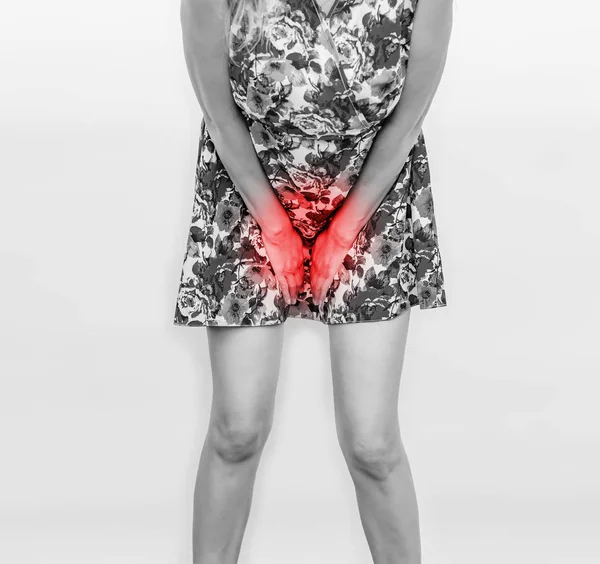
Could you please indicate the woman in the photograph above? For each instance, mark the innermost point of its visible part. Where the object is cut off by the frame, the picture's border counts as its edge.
(312, 200)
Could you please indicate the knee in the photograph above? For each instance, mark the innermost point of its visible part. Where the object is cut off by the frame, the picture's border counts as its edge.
(235, 442)
(375, 456)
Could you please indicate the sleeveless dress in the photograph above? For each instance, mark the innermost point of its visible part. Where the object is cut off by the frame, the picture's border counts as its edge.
(314, 93)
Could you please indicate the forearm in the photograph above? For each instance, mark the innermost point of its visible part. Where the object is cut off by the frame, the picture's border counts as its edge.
(207, 62)
(400, 131)
(236, 150)
(381, 169)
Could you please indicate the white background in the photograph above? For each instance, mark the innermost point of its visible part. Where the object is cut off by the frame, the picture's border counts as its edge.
(104, 403)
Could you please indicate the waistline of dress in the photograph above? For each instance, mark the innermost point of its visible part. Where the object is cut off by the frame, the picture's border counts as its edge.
(291, 131)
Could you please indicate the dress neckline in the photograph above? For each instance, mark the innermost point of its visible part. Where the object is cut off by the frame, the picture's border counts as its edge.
(321, 11)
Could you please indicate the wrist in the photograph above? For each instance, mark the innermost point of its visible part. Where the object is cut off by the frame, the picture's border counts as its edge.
(275, 227)
(343, 233)
(272, 218)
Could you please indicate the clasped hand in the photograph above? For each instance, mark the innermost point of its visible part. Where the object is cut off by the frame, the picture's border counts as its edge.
(328, 253)
(286, 254)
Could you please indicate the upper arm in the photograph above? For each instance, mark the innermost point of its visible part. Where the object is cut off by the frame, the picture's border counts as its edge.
(432, 25)
(207, 57)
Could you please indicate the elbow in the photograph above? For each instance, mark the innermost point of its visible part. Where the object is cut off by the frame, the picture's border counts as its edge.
(184, 9)
(432, 39)
(210, 123)
(432, 47)
(190, 9)
(220, 127)
(191, 4)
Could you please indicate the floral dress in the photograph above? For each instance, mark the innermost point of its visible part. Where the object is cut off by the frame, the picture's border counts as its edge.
(314, 94)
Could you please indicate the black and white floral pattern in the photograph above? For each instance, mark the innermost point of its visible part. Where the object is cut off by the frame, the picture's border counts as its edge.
(314, 94)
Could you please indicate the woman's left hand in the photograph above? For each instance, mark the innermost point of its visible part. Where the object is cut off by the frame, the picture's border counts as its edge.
(328, 253)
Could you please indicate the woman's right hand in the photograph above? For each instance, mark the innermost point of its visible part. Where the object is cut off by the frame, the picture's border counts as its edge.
(286, 253)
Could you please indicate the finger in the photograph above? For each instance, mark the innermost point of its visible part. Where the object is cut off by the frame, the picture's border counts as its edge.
(300, 272)
(325, 285)
(320, 293)
(314, 274)
(317, 289)
(293, 290)
(313, 291)
(284, 288)
(300, 276)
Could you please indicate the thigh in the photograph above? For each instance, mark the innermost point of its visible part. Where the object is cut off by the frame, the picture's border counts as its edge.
(245, 363)
(366, 364)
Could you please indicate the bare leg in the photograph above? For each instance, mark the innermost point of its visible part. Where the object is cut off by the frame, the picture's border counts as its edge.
(366, 361)
(245, 364)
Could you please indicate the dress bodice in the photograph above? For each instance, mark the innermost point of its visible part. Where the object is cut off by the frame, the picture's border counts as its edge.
(324, 75)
